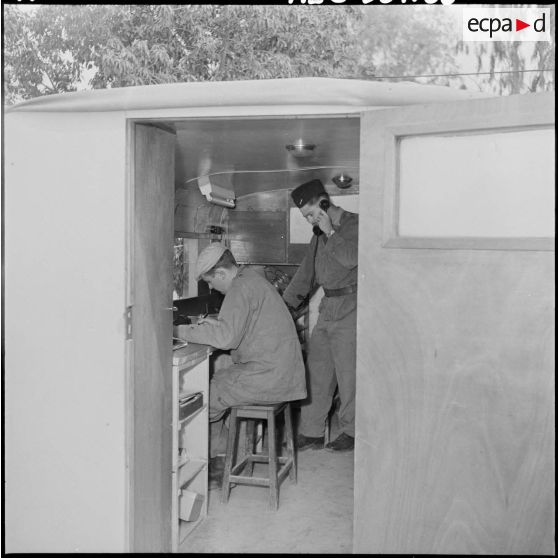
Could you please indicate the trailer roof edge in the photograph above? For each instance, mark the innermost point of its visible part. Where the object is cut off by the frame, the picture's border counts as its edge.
(337, 93)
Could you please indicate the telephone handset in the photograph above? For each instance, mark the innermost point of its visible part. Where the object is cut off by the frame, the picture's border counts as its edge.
(324, 206)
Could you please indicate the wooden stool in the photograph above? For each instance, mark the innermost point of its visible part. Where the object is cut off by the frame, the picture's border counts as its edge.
(287, 463)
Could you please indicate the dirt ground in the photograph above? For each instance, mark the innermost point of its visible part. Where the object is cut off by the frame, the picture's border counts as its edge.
(314, 516)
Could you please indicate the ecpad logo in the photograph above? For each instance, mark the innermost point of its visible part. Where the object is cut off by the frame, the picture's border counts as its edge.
(506, 24)
(495, 24)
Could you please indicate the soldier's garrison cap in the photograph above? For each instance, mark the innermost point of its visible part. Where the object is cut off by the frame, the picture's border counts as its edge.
(305, 192)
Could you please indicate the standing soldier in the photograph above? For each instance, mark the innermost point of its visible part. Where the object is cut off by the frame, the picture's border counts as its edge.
(331, 262)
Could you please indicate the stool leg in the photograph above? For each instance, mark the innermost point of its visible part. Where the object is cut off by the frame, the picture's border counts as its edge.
(250, 430)
(271, 442)
(290, 441)
(259, 437)
(229, 459)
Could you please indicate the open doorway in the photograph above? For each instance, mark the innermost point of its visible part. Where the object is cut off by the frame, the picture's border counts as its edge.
(265, 231)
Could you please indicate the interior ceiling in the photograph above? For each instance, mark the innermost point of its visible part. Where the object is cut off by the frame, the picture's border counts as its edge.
(209, 146)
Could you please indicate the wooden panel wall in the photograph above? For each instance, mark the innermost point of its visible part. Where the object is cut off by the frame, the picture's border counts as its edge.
(64, 341)
(258, 236)
(259, 227)
(455, 375)
(152, 338)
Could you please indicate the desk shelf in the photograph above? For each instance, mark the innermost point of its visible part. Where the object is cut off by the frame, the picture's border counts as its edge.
(185, 529)
(188, 469)
(190, 373)
(197, 412)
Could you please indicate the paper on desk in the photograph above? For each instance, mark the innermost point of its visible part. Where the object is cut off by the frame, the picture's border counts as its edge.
(178, 343)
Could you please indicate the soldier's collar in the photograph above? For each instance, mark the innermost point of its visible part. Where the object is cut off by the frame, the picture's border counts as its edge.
(342, 216)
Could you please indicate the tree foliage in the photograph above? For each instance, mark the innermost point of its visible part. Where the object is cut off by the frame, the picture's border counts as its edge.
(51, 49)
(34, 57)
(409, 41)
(58, 48)
(513, 58)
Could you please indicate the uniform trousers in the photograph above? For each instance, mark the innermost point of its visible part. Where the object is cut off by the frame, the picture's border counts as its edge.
(331, 363)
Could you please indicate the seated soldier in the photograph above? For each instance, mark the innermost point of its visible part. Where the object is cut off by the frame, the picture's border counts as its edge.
(255, 324)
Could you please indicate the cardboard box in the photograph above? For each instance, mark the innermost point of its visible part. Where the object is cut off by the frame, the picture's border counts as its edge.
(189, 505)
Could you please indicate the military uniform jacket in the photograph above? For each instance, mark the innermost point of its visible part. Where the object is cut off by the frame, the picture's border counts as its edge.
(256, 325)
(335, 267)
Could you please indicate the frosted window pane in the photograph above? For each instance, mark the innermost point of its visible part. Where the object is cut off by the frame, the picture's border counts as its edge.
(482, 185)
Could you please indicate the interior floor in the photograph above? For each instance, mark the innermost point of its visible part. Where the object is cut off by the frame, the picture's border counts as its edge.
(314, 516)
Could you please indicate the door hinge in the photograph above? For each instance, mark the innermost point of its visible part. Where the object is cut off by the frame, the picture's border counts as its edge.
(128, 322)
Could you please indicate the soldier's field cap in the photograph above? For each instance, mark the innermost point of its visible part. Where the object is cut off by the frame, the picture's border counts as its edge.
(208, 258)
(305, 192)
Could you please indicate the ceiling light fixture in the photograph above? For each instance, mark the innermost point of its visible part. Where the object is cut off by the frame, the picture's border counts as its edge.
(342, 180)
(300, 148)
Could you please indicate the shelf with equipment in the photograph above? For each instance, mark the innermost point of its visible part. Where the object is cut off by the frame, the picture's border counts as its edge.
(190, 397)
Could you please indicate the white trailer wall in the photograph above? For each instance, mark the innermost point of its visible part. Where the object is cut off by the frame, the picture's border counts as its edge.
(65, 230)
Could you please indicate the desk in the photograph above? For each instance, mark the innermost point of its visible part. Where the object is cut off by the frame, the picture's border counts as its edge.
(190, 373)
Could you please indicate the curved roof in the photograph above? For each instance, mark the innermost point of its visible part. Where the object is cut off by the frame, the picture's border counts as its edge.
(270, 92)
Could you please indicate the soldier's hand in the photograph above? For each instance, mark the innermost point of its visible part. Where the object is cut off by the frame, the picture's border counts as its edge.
(324, 222)
(211, 321)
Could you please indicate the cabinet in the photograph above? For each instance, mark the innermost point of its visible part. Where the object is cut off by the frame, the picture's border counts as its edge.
(190, 374)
